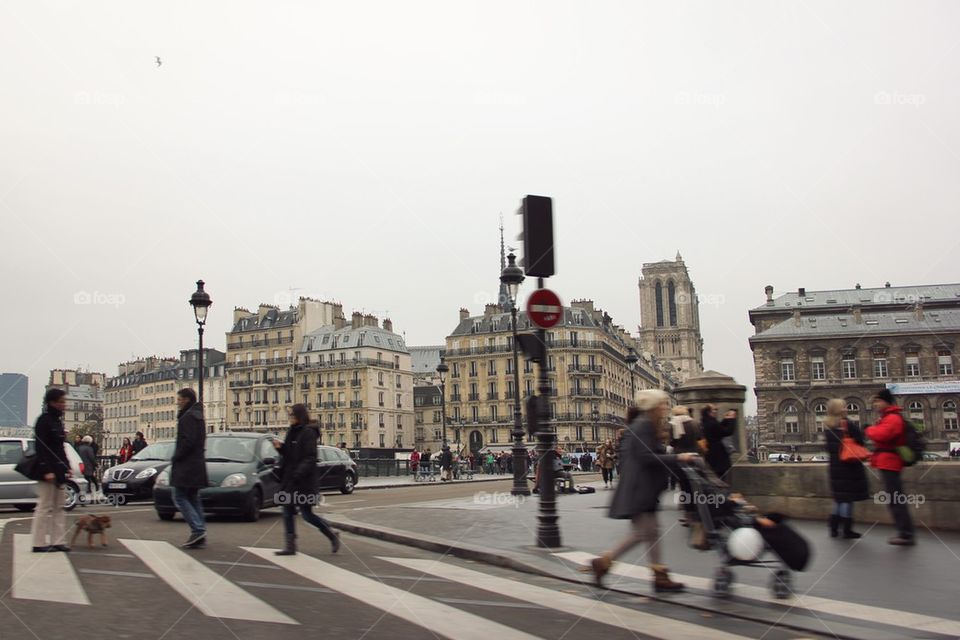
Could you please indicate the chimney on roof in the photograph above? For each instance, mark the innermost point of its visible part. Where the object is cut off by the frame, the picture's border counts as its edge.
(858, 286)
(887, 285)
(339, 322)
(356, 320)
(491, 309)
(262, 310)
(388, 325)
(464, 314)
(802, 292)
(857, 314)
(370, 320)
(240, 313)
(769, 291)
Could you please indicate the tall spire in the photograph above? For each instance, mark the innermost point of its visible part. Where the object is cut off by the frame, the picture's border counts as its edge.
(503, 298)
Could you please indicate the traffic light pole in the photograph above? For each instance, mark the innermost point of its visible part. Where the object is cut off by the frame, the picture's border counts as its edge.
(548, 531)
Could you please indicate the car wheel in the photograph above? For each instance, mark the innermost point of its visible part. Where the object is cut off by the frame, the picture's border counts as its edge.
(349, 482)
(71, 496)
(165, 515)
(25, 507)
(253, 508)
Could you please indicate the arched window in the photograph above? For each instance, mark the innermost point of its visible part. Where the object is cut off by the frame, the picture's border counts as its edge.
(915, 412)
(853, 412)
(950, 415)
(658, 298)
(791, 419)
(672, 301)
(820, 415)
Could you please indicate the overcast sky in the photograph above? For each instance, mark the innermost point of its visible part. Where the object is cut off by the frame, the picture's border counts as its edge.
(362, 152)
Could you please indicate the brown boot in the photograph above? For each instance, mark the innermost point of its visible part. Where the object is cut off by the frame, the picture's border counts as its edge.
(599, 567)
(698, 537)
(662, 582)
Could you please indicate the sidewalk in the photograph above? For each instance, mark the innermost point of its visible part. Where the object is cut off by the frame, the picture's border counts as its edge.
(498, 529)
(386, 482)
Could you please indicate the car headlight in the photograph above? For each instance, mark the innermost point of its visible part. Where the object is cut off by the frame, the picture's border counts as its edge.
(163, 480)
(234, 480)
(147, 473)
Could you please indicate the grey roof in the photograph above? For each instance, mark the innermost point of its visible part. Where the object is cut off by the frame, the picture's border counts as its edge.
(864, 297)
(425, 359)
(502, 322)
(273, 319)
(822, 325)
(325, 337)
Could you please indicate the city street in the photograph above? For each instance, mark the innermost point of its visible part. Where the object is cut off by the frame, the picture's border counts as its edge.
(144, 586)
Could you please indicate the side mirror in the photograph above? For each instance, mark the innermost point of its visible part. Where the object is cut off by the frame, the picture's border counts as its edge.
(269, 462)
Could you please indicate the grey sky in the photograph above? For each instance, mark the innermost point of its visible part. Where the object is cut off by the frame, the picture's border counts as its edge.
(363, 151)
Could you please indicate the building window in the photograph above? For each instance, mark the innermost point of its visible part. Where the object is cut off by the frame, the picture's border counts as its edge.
(913, 367)
(915, 410)
(791, 421)
(944, 363)
(475, 414)
(383, 440)
(493, 412)
(853, 412)
(950, 415)
(672, 302)
(658, 299)
(787, 371)
(880, 368)
(818, 370)
(493, 435)
(849, 367)
(820, 414)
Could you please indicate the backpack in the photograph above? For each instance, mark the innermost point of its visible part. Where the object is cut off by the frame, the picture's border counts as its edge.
(914, 444)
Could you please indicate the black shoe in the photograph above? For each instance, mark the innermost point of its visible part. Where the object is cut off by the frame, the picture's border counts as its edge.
(46, 549)
(834, 525)
(60, 547)
(848, 531)
(335, 543)
(194, 540)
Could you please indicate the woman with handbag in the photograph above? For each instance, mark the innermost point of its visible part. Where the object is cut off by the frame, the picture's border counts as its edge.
(848, 478)
(51, 472)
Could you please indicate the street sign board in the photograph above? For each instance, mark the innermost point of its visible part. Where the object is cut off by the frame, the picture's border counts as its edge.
(544, 308)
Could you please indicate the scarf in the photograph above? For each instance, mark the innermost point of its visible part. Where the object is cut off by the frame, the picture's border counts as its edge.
(677, 429)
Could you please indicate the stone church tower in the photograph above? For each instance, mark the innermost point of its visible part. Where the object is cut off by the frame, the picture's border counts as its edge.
(670, 318)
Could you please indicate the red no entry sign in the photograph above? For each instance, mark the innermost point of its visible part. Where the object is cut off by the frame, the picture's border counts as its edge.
(544, 308)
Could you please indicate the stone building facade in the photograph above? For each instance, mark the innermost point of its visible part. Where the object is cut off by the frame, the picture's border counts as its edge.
(84, 396)
(670, 318)
(811, 346)
(590, 381)
(428, 420)
(140, 398)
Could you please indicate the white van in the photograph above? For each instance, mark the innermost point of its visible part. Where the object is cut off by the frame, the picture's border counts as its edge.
(778, 457)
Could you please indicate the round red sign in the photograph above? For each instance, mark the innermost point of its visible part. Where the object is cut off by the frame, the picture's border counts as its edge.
(544, 308)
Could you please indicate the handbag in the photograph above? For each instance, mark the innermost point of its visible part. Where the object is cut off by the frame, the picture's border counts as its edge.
(850, 449)
(29, 466)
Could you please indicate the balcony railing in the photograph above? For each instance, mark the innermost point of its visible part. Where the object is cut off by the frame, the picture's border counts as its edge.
(585, 368)
(474, 397)
(239, 384)
(304, 385)
(356, 404)
(351, 363)
(355, 383)
(456, 397)
(493, 395)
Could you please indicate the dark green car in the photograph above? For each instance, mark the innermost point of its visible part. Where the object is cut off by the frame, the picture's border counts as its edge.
(240, 479)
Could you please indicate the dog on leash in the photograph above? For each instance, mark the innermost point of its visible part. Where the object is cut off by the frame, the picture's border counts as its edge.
(93, 525)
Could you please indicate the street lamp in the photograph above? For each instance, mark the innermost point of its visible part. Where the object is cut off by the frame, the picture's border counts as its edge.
(631, 361)
(442, 370)
(200, 301)
(512, 277)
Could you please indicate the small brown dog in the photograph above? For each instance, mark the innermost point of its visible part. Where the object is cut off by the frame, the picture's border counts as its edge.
(92, 525)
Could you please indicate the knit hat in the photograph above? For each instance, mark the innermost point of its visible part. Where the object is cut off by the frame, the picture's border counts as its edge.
(885, 395)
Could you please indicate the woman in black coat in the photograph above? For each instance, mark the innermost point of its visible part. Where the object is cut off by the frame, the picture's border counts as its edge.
(645, 471)
(715, 431)
(52, 472)
(848, 480)
(298, 485)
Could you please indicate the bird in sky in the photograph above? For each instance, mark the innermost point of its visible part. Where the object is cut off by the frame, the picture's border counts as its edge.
(158, 60)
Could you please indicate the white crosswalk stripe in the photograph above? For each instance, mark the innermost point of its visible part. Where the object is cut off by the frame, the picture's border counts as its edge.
(205, 589)
(589, 608)
(866, 613)
(441, 619)
(44, 576)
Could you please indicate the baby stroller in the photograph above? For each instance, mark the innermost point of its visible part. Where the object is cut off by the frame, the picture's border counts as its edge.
(722, 512)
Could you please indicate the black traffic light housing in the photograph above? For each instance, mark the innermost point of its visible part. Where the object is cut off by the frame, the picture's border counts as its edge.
(537, 212)
(532, 347)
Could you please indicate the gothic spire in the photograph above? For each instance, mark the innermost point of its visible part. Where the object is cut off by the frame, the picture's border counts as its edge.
(503, 297)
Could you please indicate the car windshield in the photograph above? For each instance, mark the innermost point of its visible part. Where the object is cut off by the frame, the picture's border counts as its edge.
(230, 449)
(160, 451)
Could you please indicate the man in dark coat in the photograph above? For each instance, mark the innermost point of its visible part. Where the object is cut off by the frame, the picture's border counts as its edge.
(52, 472)
(714, 431)
(88, 455)
(188, 466)
(139, 443)
(446, 460)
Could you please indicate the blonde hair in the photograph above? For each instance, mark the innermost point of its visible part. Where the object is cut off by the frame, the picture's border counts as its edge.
(650, 398)
(679, 410)
(836, 411)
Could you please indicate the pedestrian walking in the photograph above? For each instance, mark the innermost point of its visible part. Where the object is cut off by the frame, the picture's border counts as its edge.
(88, 456)
(126, 451)
(645, 468)
(299, 489)
(606, 457)
(446, 462)
(888, 434)
(714, 431)
(684, 434)
(139, 443)
(188, 467)
(49, 528)
(848, 479)
(414, 463)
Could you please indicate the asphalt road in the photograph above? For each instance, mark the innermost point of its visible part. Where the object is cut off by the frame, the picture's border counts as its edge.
(142, 586)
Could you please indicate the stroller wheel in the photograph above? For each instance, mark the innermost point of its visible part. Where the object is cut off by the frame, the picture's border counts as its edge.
(722, 582)
(781, 585)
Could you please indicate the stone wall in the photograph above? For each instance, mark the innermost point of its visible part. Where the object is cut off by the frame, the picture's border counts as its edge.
(802, 490)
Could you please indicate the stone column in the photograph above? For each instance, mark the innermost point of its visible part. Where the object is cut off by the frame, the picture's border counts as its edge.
(711, 387)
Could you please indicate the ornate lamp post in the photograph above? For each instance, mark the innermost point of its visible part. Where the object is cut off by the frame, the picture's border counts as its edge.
(631, 360)
(512, 276)
(442, 370)
(200, 301)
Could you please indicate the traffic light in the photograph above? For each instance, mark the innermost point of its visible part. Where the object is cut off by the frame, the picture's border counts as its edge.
(533, 415)
(532, 346)
(537, 212)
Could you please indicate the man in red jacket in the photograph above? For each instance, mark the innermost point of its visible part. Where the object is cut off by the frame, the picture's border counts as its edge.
(887, 435)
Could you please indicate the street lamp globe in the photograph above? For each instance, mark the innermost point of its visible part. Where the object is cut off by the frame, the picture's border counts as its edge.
(631, 358)
(200, 300)
(442, 369)
(512, 276)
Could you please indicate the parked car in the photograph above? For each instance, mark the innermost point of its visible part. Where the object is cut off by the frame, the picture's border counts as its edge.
(778, 457)
(820, 457)
(241, 482)
(134, 479)
(929, 456)
(19, 490)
